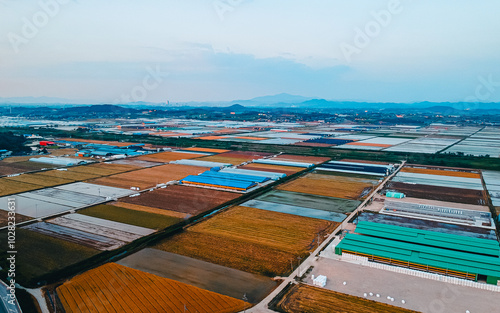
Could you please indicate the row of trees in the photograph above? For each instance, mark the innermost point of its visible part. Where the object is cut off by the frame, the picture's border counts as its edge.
(14, 143)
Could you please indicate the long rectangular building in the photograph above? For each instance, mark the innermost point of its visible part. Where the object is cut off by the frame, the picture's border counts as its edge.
(446, 254)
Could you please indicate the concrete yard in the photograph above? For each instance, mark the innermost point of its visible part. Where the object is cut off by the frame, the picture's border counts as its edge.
(420, 294)
(213, 277)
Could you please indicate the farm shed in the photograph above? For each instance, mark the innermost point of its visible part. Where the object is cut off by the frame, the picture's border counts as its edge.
(218, 182)
(58, 161)
(231, 176)
(357, 168)
(410, 252)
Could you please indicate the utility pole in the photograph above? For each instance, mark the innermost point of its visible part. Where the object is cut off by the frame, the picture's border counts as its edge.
(298, 273)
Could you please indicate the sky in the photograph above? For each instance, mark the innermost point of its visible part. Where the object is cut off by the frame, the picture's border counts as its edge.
(116, 51)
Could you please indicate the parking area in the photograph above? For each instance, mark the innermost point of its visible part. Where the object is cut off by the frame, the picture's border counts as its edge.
(420, 294)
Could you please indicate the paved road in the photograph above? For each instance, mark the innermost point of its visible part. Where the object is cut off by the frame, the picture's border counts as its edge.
(262, 306)
(5, 307)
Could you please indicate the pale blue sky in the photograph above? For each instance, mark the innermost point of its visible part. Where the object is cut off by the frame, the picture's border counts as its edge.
(100, 50)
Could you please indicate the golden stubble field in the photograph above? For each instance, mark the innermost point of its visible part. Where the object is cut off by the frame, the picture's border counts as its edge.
(252, 240)
(308, 299)
(114, 288)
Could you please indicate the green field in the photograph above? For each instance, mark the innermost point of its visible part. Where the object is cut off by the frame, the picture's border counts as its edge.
(131, 217)
(39, 254)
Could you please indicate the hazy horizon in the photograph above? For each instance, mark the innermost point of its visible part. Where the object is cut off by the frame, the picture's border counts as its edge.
(154, 51)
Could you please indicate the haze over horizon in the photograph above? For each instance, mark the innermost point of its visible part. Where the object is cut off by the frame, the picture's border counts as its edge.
(154, 51)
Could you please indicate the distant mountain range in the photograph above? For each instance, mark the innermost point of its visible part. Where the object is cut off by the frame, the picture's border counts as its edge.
(273, 101)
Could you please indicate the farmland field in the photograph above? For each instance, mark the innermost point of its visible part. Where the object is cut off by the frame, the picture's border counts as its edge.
(50, 254)
(250, 239)
(448, 194)
(183, 199)
(310, 201)
(440, 172)
(201, 274)
(330, 186)
(8, 187)
(12, 165)
(131, 217)
(168, 156)
(142, 208)
(117, 288)
(305, 298)
(102, 169)
(149, 177)
(69, 175)
(37, 179)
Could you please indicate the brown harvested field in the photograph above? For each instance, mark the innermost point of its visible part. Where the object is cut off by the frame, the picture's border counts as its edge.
(150, 177)
(37, 179)
(9, 170)
(301, 158)
(69, 175)
(201, 274)
(103, 169)
(4, 215)
(210, 150)
(65, 151)
(165, 157)
(148, 209)
(252, 240)
(467, 196)
(117, 288)
(183, 199)
(303, 298)
(440, 172)
(330, 186)
(8, 187)
(16, 159)
(289, 170)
